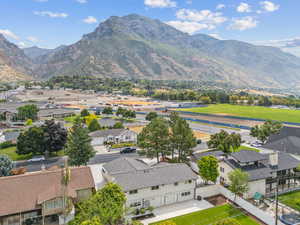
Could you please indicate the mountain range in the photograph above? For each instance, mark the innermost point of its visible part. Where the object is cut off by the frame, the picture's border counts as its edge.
(135, 46)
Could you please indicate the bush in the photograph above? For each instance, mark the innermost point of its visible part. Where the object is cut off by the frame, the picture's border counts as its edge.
(6, 144)
(122, 145)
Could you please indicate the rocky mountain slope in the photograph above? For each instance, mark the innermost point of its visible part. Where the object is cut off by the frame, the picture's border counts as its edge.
(140, 47)
(14, 64)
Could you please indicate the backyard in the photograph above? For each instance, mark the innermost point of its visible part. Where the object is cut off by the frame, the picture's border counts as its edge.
(291, 199)
(213, 215)
(258, 112)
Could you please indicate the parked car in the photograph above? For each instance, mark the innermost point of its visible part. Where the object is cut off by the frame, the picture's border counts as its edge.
(128, 150)
(37, 158)
(256, 144)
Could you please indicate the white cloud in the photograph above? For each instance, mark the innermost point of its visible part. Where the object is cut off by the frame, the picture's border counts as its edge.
(90, 20)
(189, 26)
(9, 34)
(51, 14)
(269, 6)
(33, 39)
(82, 1)
(243, 23)
(220, 6)
(243, 8)
(205, 16)
(160, 3)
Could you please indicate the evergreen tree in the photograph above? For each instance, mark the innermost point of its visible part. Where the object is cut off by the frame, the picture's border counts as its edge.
(6, 165)
(151, 115)
(78, 147)
(94, 125)
(84, 113)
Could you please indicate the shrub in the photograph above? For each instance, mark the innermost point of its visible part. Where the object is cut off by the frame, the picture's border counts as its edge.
(122, 145)
(6, 144)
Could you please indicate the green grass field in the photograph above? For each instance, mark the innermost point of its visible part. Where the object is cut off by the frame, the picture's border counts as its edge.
(291, 199)
(258, 112)
(12, 154)
(212, 215)
(243, 147)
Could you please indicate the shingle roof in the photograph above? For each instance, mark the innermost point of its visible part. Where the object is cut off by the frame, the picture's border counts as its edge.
(139, 175)
(24, 192)
(108, 132)
(287, 140)
(216, 154)
(245, 156)
(11, 136)
(107, 122)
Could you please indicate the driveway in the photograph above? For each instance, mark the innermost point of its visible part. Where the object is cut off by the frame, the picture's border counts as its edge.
(178, 209)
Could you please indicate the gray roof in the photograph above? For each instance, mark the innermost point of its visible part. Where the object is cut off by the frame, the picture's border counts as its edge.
(245, 156)
(263, 169)
(107, 122)
(11, 136)
(199, 155)
(108, 132)
(287, 140)
(132, 174)
(51, 112)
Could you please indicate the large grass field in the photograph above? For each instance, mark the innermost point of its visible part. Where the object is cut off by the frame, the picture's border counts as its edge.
(211, 216)
(291, 199)
(258, 112)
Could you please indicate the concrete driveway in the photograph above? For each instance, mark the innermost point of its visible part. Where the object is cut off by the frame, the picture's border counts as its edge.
(178, 209)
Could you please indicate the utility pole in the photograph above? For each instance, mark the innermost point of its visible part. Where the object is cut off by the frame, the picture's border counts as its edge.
(276, 201)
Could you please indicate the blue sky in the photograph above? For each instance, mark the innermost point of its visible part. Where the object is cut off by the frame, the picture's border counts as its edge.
(49, 23)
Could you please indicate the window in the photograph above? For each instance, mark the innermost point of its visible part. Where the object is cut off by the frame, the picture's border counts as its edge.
(133, 192)
(184, 194)
(54, 204)
(176, 183)
(222, 169)
(154, 187)
(188, 182)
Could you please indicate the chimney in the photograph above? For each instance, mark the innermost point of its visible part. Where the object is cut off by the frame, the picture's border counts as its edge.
(273, 159)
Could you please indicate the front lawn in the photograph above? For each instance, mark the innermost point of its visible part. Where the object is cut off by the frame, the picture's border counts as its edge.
(258, 112)
(13, 155)
(291, 199)
(213, 215)
(243, 147)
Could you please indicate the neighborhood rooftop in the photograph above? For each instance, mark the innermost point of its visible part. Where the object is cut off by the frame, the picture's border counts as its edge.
(25, 192)
(140, 175)
(245, 156)
(109, 132)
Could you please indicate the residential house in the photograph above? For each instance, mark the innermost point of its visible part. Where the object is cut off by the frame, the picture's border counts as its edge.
(264, 170)
(100, 137)
(158, 185)
(196, 156)
(55, 113)
(11, 136)
(39, 196)
(107, 122)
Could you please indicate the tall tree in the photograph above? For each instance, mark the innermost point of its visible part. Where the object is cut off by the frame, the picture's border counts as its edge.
(94, 125)
(118, 125)
(151, 115)
(6, 165)
(55, 136)
(225, 141)
(28, 112)
(84, 113)
(208, 168)
(154, 138)
(31, 141)
(182, 137)
(264, 131)
(238, 182)
(107, 110)
(78, 146)
(108, 204)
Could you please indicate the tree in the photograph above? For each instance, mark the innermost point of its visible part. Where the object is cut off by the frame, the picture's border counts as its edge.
(78, 146)
(120, 111)
(84, 113)
(107, 110)
(94, 221)
(118, 125)
(28, 112)
(182, 137)
(225, 141)
(238, 182)
(151, 115)
(264, 131)
(6, 165)
(28, 122)
(208, 168)
(31, 141)
(88, 119)
(227, 221)
(154, 138)
(55, 136)
(205, 99)
(107, 204)
(94, 125)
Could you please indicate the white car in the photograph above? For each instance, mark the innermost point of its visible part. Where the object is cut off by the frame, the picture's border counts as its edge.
(37, 158)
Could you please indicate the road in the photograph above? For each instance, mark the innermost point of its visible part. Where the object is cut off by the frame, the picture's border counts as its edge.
(97, 159)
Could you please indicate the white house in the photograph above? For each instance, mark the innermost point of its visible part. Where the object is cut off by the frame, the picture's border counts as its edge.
(155, 186)
(99, 137)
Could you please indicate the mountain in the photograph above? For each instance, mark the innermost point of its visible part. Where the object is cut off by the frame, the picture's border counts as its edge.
(35, 53)
(14, 64)
(139, 47)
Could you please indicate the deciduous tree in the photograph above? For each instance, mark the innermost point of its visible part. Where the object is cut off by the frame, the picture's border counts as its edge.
(28, 112)
(208, 168)
(151, 115)
(31, 141)
(225, 141)
(94, 125)
(264, 131)
(238, 182)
